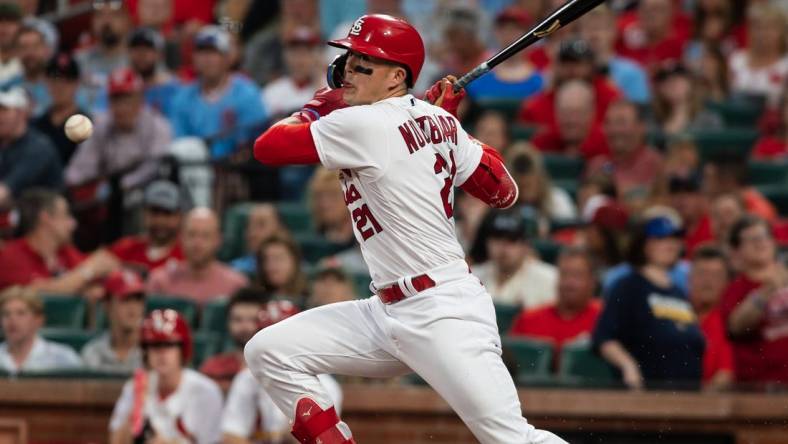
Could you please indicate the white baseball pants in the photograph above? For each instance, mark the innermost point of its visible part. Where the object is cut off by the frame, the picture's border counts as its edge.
(447, 334)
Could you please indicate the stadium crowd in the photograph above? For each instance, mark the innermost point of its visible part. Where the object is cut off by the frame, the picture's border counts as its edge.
(649, 140)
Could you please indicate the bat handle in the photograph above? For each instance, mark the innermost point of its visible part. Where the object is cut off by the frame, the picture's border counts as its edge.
(477, 72)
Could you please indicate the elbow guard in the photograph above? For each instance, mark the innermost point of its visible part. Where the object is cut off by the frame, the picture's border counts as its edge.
(490, 182)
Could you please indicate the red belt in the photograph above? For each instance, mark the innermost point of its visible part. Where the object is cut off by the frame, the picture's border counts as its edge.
(392, 294)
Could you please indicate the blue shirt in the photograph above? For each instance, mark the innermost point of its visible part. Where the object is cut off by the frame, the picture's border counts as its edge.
(161, 97)
(235, 118)
(245, 264)
(631, 79)
(489, 86)
(39, 93)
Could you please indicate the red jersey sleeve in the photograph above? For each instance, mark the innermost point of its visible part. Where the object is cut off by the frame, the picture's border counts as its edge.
(290, 144)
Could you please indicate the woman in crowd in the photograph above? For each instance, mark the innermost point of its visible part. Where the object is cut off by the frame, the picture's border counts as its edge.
(279, 268)
(678, 107)
(527, 169)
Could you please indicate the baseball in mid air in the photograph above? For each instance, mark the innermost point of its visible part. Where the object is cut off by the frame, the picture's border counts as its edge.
(78, 128)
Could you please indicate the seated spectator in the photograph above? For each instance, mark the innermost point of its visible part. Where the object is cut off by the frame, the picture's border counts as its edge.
(775, 145)
(657, 32)
(573, 314)
(146, 58)
(576, 133)
(708, 279)
(633, 165)
(598, 27)
(678, 105)
(250, 411)
(328, 208)
(200, 277)
(462, 40)
(305, 73)
(713, 30)
(263, 223)
(727, 174)
(21, 316)
(492, 128)
(221, 107)
(128, 142)
(243, 314)
(575, 62)
(761, 68)
(279, 270)
(647, 329)
(752, 306)
(514, 274)
(331, 285)
(535, 189)
(515, 78)
(712, 74)
(10, 65)
(62, 80)
(178, 403)
(725, 210)
(687, 198)
(34, 50)
(27, 158)
(604, 232)
(43, 257)
(118, 350)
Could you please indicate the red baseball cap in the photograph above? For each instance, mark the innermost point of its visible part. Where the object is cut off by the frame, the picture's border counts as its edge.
(513, 14)
(123, 284)
(124, 81)
(301, 35)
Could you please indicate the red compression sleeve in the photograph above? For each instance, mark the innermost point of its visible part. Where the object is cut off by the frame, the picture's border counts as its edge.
(491, 183)
(290, 144)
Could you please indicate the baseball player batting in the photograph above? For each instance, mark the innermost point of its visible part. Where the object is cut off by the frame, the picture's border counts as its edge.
(399, 159)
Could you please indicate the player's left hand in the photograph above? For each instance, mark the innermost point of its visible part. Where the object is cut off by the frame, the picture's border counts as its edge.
(442, 94)
(324, 101)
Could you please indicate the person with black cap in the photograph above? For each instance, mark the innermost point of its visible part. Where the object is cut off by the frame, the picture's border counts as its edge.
(62, 78)
(10, 65)
(687, 198)
(514, 274)
(146, 57)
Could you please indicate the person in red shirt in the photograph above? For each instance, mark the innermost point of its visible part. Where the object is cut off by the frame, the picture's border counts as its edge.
(573, 316)
(576, 61)
(754, 307)
(43, 258)
(693, 207)
(654, 34)
(160, 244)
(708, 278)
(775, 145)
(727, 173)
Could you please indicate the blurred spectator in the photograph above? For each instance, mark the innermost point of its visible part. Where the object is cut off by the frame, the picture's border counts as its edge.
(109, 28)
(713, 26)
(34, 53)
(128, 143)
(576, 132)
(775, 146)
(463, 47)
(678, 107)
(727, 173)
(279, 270)
(263, 223)
(10, 65)
(576, 61)
(681, 159)
(713, 76)
(305, 73)
(598, 27)
(118, 350)
(692, 205)
(22, 316)
(647, 328)
(166, 15)
(762, 67)
(544, 52)
(62, 79)
(200, 276)
(515, 78)
(656, 33)
(43, 257)
(633, 165)
(604, 231)
(573, 315)
(27, 157)
(146, 51)
(492, 128)
(180, 404)
(243, 312)
(222, 107)
(329, 212)
(331, 285)
(725, 210)
(753, 305)
(708, 279)
(514, 273)
(535, 189)
(159, 244)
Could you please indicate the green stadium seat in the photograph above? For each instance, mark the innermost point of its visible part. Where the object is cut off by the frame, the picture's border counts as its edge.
(214, 317)
(532, 358)
(777, 195)
(315, 248)
(504, 316)
(206, 344)
(736, 113)
(547, 249)
(73, 373)
(568, 185)
(361, 281)
(75, 338)
(233, 228)
(767, 173)
(508, 107)
(737, 141)
(64, 311)
(521, 132)
(295, 216)
(563, 167)
(581, 365)
(187, 308)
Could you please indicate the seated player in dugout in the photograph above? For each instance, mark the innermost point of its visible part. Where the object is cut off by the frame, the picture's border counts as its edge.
(399, 159)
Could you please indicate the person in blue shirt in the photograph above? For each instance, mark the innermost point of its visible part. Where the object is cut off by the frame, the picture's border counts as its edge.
(146, 57)
(34, 52)
(221, 107)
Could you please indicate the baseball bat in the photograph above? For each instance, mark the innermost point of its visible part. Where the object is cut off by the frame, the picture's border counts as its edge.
(562, 16)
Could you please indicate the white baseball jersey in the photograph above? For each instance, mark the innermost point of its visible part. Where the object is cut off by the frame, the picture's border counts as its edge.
(191, 414)
(399, 159)
(251, 413)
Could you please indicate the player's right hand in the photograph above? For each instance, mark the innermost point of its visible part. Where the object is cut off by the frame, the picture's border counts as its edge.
(324, 101)
(442, 94)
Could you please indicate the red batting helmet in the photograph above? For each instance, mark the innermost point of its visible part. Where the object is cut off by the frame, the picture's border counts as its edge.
(167, 327)
(275, 311)
(388, 38)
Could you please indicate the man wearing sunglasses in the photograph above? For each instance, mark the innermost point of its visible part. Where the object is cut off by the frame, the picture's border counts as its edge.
(399, 159)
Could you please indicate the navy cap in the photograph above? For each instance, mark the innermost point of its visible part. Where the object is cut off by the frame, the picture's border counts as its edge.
(62, 65)
(164, 195)
(146, 37)
(575, 50)
(213, 37)
(662, 227)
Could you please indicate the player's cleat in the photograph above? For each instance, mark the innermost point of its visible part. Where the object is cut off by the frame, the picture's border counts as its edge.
(313, 425)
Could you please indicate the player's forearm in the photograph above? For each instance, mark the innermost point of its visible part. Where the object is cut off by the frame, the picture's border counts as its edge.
(286, 143)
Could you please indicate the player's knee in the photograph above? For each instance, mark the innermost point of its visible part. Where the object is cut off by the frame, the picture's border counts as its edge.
(262, 352)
